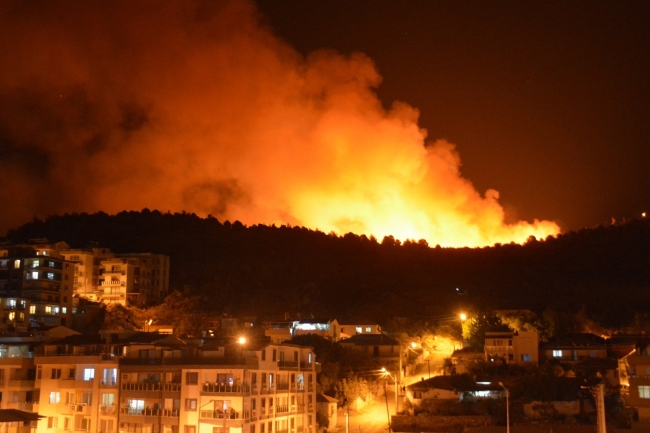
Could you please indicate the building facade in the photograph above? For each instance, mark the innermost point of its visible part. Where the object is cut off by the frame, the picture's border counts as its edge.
(150, 383)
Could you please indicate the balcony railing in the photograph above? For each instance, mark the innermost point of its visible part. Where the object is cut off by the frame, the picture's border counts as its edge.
(149, 412)
(109, 382)
(219, 414)
(287, 364)
(140, 386)
(224, 388)
(107, 408)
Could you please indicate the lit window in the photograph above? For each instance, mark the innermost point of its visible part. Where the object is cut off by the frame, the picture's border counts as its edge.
(368, 329)
(11, 303)
(36, 263)
(89, 373)
(557, 354)
(644, 391)
(50, 275)
(16, 264)
(35, 275)
(64, 310)
(359, 330)
(12, 316)
(55, 397)
(32, 309)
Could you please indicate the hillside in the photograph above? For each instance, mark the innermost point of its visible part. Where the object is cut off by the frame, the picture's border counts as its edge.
(266, 270)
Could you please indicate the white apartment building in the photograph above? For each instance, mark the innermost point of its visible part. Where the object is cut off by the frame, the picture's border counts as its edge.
(151, 383)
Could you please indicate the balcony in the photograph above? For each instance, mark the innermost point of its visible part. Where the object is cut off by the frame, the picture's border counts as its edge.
(149, 412)
(27, 406)
(141, 386)
(22, 383)
(73, 383)
(107, 409)
(288, 365)
(109, 383)
(227, 415)
(220, 388)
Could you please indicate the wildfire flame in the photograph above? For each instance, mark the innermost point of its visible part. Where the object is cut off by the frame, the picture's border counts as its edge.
(196, 106)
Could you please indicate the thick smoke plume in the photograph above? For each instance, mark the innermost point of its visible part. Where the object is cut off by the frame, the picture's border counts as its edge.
(197, 106)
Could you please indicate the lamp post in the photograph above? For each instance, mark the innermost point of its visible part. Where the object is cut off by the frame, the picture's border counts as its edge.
(507, 407)
(387, 373)
(198, 429)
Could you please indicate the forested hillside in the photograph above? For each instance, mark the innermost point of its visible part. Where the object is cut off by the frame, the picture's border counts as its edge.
(265, 270)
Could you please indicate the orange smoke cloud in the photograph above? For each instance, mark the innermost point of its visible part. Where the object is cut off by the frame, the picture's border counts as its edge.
(197, 106)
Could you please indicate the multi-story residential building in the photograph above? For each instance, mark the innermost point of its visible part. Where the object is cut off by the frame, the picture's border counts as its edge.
(34, 276)
(18, 373)
(86, 274)
(100, 275)
(77, 379)
(513, 347)
(147, 382)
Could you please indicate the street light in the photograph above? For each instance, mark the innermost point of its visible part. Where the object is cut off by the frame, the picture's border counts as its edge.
(507, 407)
(387, 373)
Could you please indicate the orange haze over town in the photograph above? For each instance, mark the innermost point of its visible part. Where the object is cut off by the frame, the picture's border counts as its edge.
(199, 107)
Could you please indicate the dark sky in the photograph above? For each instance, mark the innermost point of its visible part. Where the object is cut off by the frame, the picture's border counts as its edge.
(547, 102)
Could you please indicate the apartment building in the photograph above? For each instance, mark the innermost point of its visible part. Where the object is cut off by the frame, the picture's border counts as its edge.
(18, 373)
(150, 383)
(126, 279)
(98, 274)
(36, 286)
(77, 380)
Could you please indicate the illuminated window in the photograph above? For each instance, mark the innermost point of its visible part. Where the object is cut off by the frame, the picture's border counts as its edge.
(89, 373)
(64, 310)
(12, 316)
(50, 275)
(36, 263)
(11, 303)
(55, 397)
(557, 354)
(16, 264)
(526, 357)
(644, 391)
(32, 309)
(368, 329)
(35, 275)
(359, 330)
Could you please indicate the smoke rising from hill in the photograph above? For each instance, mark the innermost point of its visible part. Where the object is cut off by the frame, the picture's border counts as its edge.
(197, 106)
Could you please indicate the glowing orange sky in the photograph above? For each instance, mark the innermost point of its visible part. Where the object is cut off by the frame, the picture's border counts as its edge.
(115, 106)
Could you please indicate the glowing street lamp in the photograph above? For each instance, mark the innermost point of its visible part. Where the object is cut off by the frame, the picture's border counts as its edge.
(462, 317)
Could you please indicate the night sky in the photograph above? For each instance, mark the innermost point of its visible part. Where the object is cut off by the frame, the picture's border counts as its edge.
(547, 102)
(314, 113)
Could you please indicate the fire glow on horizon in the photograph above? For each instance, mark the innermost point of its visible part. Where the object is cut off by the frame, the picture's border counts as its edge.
(208, 112)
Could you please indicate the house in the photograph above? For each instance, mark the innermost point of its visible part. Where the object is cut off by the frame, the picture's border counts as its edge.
(354, 326)
(634, 376)
(512, 347)
(326, 328)
(572, 348)
(326, 405)
(376, 345)
(460, 387)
